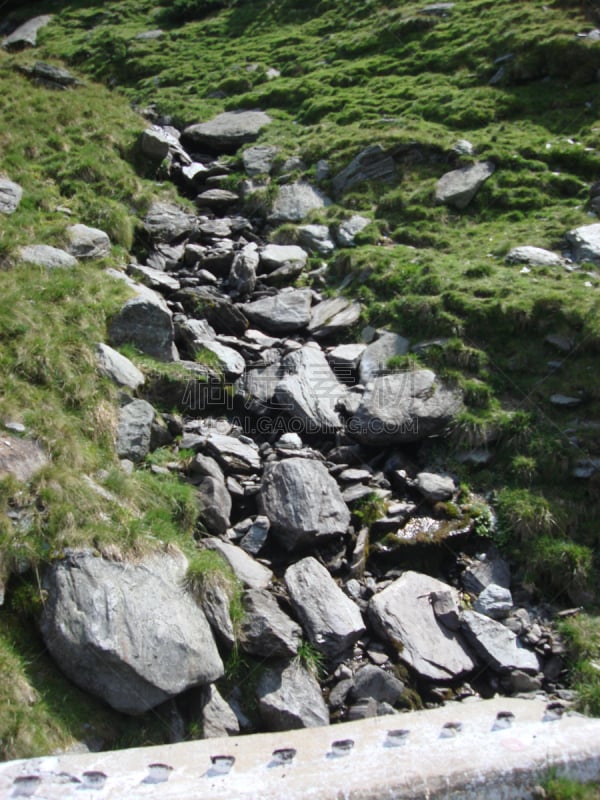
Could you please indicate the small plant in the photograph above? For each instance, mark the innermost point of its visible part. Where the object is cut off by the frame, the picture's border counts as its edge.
(524, 515)
(369, 509)
(311, 658)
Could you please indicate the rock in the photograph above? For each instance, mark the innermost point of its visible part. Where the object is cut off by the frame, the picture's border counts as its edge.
(256, 536)
(437, 9)
(497, 645)
(43, 255)
(331, 620)
(217, 199)
(233, 454)
(218, 718)
(228, 359)
(371, 164)
(445, 607)
(227, 132)
(403, 615)
(534, 256)
(344, 360)
(565, 401)
(86, 242)
(215, 505)
(50, 76)
(303, 503)
(403, 407)
(134, 430)
(156, 279)
(242, 276)
(295, 201)
(146, 322)
(209, 304)
(374, 682)
(309, 391)
(205, 465)
(487, 568)
(289, 698)
(375, 358)
(214, 599)
(463, 147)
(331, 316)
(349, 230)
(435, 488)
(585, 242)
(265, 630)
(274, 256)
(458, 187)
(252, 574)
(10, 196)
(127, 632)
(118, 368)
(258, 160)
(157, 143)
(20, 458)
(257, 386)
(316, 239)
(284, 312)
(26, 34)
(494, 601)
(166, 222)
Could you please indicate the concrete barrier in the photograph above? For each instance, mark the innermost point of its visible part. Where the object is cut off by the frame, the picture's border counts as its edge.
(472, 750)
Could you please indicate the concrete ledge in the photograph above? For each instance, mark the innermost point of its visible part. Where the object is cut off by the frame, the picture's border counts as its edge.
(478, 749)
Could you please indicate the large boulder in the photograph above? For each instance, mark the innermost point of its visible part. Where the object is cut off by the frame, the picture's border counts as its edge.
(166, 222)
(585, 242)
(404, 615)
(283, 312)
(215, 504)
(295, 201)
(86, 242)
(134, 430)
(265, 630)
(26, 34)
(302, 502)
(129, 633)
(374, 360)
(118, 367)
(227, 132)
(497, 645)
(458, 187)
(332, 621)
(404, 407)
(44, 255)
(10, 196)
(146, 322)
(289, 697)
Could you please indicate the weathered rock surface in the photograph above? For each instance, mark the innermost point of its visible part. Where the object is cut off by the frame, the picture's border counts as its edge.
(274, 256)
(227, 132)
(26, 34)
(350, 228)
(371, 164)
(218, 717)
(495, 602)
(146, 322)
(535, 256)
(10, 196)
(458, 187)
(332, 621)
(258, 160)
(233, 454)
(497, 645)
(242, 276)
(295, 201)
(134, 430)
(127, 632)
(21, 458)
(252, 574)
(284, 312)
(403, 407)
(265, 630)
(316, 239)
(86, 242)
(435, 487)
(303, 503)
(289, 697)
(43, 255)
(331, 316)
(166, 222)
(585, 242)
(403, 614)
(118, 368)
(486, 568)
(215, 505)
(372, 681)
(374, 360)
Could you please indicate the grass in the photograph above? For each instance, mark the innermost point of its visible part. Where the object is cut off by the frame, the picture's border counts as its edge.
(582, 634)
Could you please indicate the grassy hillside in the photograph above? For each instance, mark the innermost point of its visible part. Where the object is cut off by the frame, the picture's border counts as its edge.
(350, 74)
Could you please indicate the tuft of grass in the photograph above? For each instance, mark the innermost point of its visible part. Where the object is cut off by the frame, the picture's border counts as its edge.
(311, 658)
(582, 635)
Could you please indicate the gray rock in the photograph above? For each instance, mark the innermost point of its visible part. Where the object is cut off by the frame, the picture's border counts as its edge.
(218, 717)
(265, 630)
(157, 143)
(127, 632)
(404, 407)
(146, 322)
(26, 34)
(535, 256)
(86, 242)
(227, 132)
(458, 187)
(134, 430)
(585, 242)
(495, 602)
(49, 75)
(375, 359)
(303, 503)
(274, 256)
(497, 645)
(372, 681)
(371, 164)
(214, 598)
(154, 278)
(316, 239)
(435, 487)
(565, 401)
(118, 368)
(403, 615)
(284, 312)
(149, 36)
(331, 620)
(194, 333)
(233, 454)
(349, 230)
(166, 222)
(217, 199)
(331, 316)
(228, 359)
(446, 610)
(463, 147)
(20, 458)
(295, 201)
(344, 359)
(43, 255)
(289, 697)
(309, 390)
(10, 196)
(257, 386)
(486, 569)
(252, 574)
(205, 465)
(215, 505)
(242, 276)
(211, 305)
(255, 538)
(258, 160)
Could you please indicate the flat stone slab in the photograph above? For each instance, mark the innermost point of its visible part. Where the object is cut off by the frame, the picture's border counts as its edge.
(497, 645)
(458, 187)
(330, 316)
(44, 255)
(118, 367)
(535, 256)
(227, 132)
(251, 573)
(26, 34)
(21, 458)
(284, 312)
